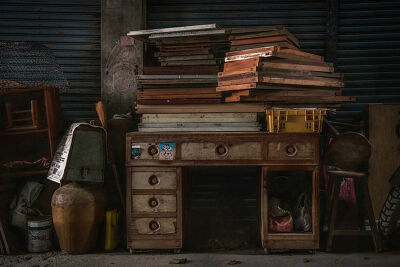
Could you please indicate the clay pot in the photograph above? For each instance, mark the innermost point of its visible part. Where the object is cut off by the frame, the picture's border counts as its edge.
(78, 212)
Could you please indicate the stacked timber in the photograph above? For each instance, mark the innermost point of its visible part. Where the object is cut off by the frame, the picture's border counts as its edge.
(280, 76)
(262, 36)
(225, 117)
(193, 122)
(189, 59)
(177, 89)
(179, 94)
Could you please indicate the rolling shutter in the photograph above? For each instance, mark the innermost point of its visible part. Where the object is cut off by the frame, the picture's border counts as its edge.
(71, 29)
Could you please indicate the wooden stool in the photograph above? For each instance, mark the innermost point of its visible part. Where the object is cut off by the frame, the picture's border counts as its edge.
(350, 152)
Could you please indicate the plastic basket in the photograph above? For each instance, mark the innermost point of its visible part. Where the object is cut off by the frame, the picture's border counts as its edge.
(295, 120)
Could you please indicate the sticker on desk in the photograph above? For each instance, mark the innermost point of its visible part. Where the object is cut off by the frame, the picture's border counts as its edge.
(167, 151)
(136, 152)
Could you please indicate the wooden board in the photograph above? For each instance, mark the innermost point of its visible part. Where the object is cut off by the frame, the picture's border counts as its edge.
(177, 81)
(189, 62)
(179, 101)
(239, 107)
(177, 91)
(385, 156)
(266, 86)
(193, 57)
(259, 45)
(265, 34)
(187, 96)
(260, 40)
(202, 129)
(182, 53)
(261, 92)
(179, 70)
(296, 99)
(255, 29)
(173, 29)
(186, 34)
(199, 117)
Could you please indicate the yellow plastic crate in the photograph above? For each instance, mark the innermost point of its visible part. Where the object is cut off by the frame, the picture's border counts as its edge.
(295, 120)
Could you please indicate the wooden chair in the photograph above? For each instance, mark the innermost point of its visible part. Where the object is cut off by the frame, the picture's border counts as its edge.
(349, 153)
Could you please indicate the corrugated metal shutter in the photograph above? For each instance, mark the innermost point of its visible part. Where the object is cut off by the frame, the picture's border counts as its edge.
(305, 19)
(368, 54)
(71, 28)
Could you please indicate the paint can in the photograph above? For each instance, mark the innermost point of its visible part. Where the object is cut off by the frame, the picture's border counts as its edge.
(39, 234)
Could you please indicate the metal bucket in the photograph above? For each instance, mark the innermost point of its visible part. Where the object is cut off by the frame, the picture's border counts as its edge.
(39, 234)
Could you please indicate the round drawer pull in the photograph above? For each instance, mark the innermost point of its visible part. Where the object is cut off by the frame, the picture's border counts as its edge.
(291, 150)
(153, 180)
(221, 150)
(152, 150)
(154, 225)
(153, 202)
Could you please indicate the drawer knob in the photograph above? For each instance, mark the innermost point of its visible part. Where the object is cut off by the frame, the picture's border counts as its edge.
(154, 225)
(153, 180)
(153, 202)
(291, 150)
(221, 150)
(153, 150)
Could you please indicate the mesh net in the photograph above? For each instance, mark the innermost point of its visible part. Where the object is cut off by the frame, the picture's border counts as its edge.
(25, 64)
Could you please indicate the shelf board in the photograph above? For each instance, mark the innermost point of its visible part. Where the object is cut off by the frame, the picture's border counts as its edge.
(290, 236)
(14, 133)
(23, 173)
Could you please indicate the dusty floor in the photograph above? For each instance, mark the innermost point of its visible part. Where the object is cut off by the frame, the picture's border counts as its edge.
(204, 259)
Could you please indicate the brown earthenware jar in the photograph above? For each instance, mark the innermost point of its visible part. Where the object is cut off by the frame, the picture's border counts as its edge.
(78, 212)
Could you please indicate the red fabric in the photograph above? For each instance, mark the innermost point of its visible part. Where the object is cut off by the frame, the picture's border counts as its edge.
(282, 224)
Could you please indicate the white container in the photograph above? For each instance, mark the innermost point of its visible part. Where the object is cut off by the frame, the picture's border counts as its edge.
(39, 234)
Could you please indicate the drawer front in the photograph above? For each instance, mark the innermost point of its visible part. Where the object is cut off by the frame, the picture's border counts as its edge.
(154, 179)
(221, 151)
(154, 226)
(154, 203)
(145, 151)
(291, 150)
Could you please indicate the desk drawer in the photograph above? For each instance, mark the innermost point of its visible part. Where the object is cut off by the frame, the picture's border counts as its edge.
(283, 150)
(154, 180)
(154, 226)
(153, 203)
(221, 151)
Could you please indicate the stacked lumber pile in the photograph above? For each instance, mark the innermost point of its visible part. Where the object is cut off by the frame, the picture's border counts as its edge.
(180, 93)
(227, 117)
(177, 89)
(279, 75)
(193, 122)
(189, 59)
(262, 36)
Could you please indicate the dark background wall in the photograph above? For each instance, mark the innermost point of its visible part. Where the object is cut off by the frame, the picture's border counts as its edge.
(71, 29)
(83, 34)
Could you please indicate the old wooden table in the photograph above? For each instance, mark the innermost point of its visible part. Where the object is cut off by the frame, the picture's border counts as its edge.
(155, 182)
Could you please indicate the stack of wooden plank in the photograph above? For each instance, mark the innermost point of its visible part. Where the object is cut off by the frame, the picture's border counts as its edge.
(262, 36)
(198, 49)
(205, 122)
(200, 117)
(280, 76)
(177, 89)
(189, 59)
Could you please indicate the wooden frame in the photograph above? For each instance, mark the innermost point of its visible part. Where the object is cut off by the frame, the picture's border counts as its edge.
(272, 156)
(290, 240)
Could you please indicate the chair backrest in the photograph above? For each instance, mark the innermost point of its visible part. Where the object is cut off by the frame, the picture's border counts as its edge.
(349, 151)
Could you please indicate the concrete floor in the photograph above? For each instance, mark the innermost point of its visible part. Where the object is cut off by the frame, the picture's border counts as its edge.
(252, 258)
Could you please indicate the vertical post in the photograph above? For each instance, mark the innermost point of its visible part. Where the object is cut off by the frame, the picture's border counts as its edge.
(121, 56)
(332, 23)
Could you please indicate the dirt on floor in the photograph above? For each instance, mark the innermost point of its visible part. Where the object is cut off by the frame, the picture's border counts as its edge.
(247, 258)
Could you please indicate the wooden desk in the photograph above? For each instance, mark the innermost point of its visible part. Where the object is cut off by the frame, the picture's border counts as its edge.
(154, 187)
